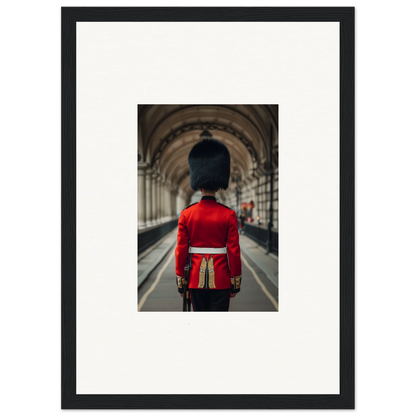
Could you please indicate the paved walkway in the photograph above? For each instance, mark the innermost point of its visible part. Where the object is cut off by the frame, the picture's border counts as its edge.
(153, 256)
(269, 263)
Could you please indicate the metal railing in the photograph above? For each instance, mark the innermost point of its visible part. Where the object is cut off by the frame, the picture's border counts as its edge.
(259, 234)
(150, 236)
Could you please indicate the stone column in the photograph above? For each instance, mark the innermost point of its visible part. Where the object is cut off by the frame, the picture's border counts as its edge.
(166, 200)
(244, 190)
(262, 200)
(173, 202)
(159, 200)
(141, 194)
(149, 198)
(163, 200)
(257, 201)
(160, 204)
(172, 198)
(177, 204)
(180, 201)
(253, 197)
(276, 199)
(154, 198)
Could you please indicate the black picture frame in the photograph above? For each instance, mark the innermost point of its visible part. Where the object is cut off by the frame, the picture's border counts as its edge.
(69, 398)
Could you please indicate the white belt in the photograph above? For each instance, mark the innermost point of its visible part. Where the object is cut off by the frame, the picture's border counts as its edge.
(205, 250)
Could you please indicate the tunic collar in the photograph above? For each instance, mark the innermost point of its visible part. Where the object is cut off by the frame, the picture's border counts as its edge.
(208, 198)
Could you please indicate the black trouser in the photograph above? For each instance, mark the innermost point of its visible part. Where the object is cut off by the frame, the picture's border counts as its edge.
(210, 299)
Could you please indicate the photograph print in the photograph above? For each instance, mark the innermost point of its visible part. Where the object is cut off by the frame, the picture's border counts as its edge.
(207, 221)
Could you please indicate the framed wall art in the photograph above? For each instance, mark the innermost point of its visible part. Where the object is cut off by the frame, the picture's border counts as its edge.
(141, 86)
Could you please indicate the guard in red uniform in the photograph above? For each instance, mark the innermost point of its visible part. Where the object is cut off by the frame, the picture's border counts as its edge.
(208, 233)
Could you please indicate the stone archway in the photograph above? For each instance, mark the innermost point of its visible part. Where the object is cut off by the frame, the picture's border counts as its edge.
(166, 134)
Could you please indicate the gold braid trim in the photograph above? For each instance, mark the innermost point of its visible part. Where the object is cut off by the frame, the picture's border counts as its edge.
(202, 273)
(237, 282)
(211, 273)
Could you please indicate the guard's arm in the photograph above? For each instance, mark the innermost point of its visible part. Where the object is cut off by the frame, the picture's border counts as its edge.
(234, 255)
(181, 251)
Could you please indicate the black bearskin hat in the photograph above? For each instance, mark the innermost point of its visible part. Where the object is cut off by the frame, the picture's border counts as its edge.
(209, 163)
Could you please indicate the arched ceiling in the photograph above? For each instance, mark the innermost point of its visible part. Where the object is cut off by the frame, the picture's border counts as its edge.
(167, 134)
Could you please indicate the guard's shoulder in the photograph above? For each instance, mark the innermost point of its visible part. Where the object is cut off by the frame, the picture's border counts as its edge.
(189, 206)
(223, 205)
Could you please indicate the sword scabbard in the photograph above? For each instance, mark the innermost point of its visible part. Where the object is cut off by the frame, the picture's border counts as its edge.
(186, 297)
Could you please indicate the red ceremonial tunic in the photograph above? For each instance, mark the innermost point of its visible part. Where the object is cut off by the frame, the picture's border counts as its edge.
(209, 224)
